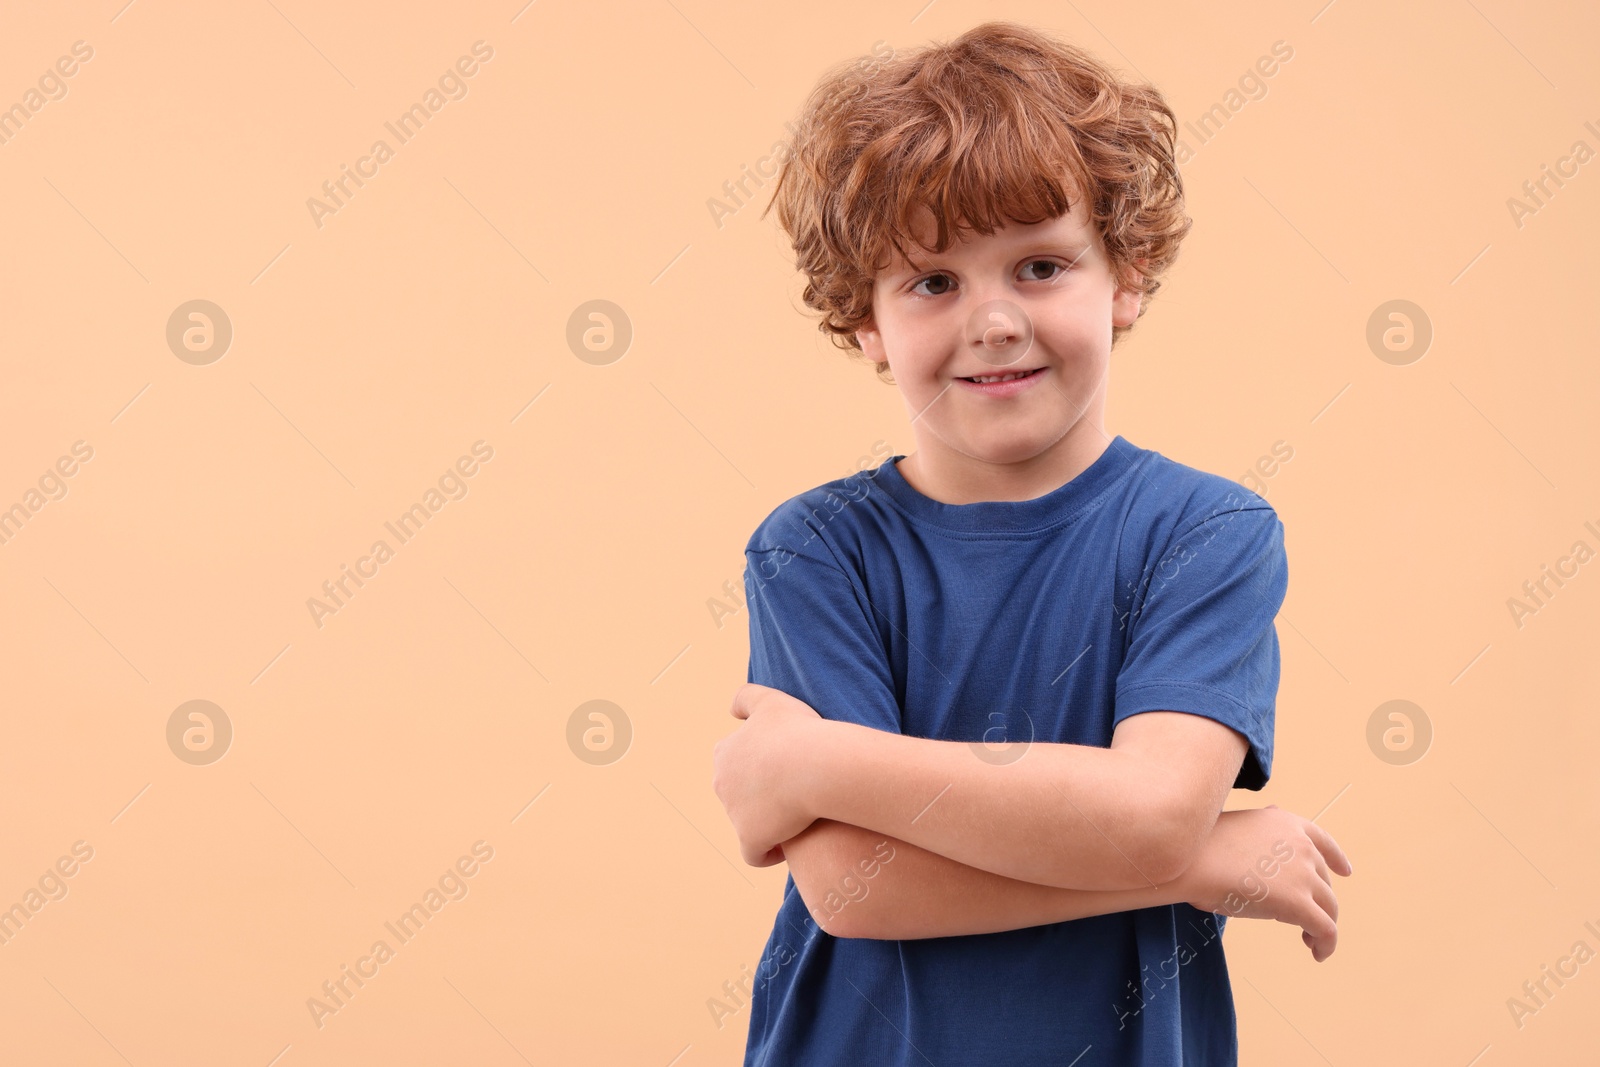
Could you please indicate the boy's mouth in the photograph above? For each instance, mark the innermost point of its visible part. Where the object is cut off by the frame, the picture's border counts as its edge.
(1002, 386)
(1006, 377)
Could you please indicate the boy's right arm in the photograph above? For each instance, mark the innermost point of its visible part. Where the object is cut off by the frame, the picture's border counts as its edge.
(1258, 863)
(912, 893)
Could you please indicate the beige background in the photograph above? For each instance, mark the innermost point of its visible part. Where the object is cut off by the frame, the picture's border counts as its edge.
(432, 709)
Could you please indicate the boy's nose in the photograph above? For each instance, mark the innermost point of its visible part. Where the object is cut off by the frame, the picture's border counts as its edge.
(999, 332)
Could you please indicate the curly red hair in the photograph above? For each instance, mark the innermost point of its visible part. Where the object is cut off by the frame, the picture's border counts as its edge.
(1001, 124)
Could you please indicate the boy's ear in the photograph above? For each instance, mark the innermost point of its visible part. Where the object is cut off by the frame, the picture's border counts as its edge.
(1125, 303)
(871, 342)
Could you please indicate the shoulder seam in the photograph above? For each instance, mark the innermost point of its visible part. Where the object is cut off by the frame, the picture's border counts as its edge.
(1229, 513)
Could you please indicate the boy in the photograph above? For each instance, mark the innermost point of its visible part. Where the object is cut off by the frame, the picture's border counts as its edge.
(1001, 687)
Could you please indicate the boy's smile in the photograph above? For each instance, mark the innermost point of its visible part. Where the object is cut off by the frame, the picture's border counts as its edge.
(1035, 300)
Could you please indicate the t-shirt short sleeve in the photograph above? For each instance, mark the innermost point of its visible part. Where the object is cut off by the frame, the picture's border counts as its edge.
(1203, 639)
(812, 634)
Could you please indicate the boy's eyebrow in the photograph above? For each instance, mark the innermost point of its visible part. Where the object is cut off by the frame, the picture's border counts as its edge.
(1073, 248)
(1076, 249)
(904, 268)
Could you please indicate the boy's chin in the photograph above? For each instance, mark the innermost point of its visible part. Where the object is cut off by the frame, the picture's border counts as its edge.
(1005, 449)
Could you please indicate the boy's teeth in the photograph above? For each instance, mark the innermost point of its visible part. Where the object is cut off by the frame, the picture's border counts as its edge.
(1001, 377)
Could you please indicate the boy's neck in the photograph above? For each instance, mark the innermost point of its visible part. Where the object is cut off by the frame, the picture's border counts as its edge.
(951, 477)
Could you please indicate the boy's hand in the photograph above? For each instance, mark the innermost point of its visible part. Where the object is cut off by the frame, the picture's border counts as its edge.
(755, 767)
(1267, 863)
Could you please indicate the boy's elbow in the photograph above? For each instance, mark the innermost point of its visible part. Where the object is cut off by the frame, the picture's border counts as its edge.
(851, 920)
(816, 859)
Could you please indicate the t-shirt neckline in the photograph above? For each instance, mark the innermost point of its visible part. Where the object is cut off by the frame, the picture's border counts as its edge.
(1011, 516)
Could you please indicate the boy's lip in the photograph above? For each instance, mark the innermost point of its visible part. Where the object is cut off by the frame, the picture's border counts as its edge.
(1004, 389)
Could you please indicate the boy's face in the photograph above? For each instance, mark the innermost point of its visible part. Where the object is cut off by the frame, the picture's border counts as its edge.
(1037, 298)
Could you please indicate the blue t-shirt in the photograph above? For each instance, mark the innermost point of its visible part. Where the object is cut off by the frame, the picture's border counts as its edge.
(1140, 585)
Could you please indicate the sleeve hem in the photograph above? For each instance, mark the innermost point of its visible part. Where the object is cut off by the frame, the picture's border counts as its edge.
(1152, 693)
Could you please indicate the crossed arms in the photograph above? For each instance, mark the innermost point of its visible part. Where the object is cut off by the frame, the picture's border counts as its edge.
(977, 846)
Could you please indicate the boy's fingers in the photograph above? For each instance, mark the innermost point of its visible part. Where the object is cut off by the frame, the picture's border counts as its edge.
(1315, 946)
(1321, 867)
(1322, 872)
(1323, 928)
(1320, 932)
(1326, 900)
(1329, 848)
(1315, 916)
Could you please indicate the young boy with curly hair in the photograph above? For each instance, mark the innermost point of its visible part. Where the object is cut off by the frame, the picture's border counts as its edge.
(1000, 688)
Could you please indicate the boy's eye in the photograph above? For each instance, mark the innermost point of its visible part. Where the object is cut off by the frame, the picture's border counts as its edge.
(1037, 270)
